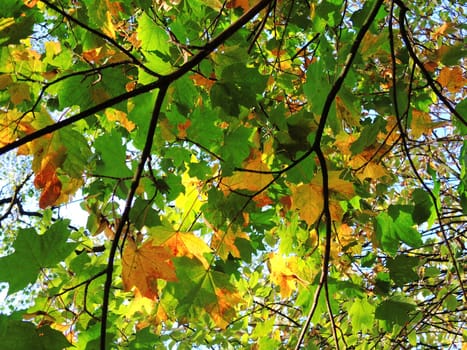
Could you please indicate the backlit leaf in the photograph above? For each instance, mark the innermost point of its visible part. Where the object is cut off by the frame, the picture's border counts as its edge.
(143, 266)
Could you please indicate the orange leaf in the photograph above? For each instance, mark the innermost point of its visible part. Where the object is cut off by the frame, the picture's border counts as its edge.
(223, 310)
(224, 243)
(441, 31)
(93, 55)
(200, 80)
(30, 3)
(251, 181)
(182, 127)
(51, 192)
(284, 273)
(121, 117)
(244, 4)
(142, 266)
(189, 245)
(452, 79)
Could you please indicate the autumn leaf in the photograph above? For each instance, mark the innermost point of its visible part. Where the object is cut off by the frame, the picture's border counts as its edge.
(307, 199)
(452, 78)
(284, 272)
(201, 80)
(223, 310)
(422, 123)
(181, 243)
(121, 117)
(142, 266)
(249, 180)
(19, 92)
(182, 127)
(223, 243)
(442, 30)
(337, 185)
(244, 4)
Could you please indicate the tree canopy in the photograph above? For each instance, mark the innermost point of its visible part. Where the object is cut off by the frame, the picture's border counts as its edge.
(251, 174)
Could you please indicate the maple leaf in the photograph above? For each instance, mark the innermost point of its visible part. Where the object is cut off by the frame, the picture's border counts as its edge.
(142, 266)
(245, 180)
(19, 92)
(181, 243)
(121, 117)
(452, 78)
(284, 272)
(223, 243)
(422, 123)
(222, 311)
(367, 167)
(201, 80)
(307, 199)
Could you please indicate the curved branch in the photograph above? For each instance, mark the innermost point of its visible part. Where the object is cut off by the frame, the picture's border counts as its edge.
(126, 212)
(102, 36)
(429, 79)
(316, 147)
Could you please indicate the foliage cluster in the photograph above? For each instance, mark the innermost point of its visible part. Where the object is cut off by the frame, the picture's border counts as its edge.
(255, 174)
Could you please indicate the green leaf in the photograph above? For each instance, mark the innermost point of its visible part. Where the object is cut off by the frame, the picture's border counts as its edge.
(112, 161)
(236, 147)
(406, 232)
(18, 335)
(451, 303)
(153, 37)
(361, 315)
(316, 87)
(423, 206)
(386, 234)
(34, 252)
(368, 134)
(401, 269)
(395, 311)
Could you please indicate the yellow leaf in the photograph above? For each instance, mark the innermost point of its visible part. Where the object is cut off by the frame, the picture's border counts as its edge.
(344, 141)
(251, 181)
(367, 169)
(422, 124)
(142, 266)
(223, 310)
(121, 117)
(189, 245)
(180, 243)
(223, 243)
(337, 185)
(284, 273)
(307, 199)
(346, 113)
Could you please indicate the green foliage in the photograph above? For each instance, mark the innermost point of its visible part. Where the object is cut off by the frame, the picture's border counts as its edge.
(232, 174)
